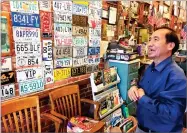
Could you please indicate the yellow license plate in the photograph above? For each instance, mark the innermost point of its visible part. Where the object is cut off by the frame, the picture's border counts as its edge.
(60, 74)
(81, 2)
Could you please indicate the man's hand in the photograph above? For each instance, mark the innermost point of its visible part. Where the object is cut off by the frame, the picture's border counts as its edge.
(133, 93)
(140, 93)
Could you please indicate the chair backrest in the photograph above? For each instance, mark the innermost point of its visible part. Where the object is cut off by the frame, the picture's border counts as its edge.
(66, 101)
(21, 115)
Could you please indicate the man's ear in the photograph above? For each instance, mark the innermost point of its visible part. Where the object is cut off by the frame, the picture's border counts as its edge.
(170, 45)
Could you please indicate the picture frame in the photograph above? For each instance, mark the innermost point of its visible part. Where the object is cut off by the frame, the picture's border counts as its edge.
(104, 14)
(112, 15)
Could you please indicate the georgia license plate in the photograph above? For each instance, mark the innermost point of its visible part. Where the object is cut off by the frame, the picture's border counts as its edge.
(94, 42)
(95, 32)
(25, 19)
(65, 62)
(6, 64)
(29, 73)
(62, 73)
(7, 77)
(79, 31)
(80, 10)
(48, 72)
(78, 20)
(7, 91)
(22, 48)
(93, 50)
(61, 17)
(45, 5)
(31, 86)
(95, 4)
(94, 13)
(94, 59)
(80, 41)
(80, 61)
(63, 41)
(76, 71)
(62, 6)
(24, 61)
(47, 50)
(24, 6)
(62, 29)
(61, 52)
(79, 51)
(26, 34)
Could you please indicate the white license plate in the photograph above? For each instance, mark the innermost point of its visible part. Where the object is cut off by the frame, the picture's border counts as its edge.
(80, 61)
(62, 29)
(24, 6)
(6, 64)
(61, 17)
(94, 42)
(7, 91)
(94, 13)
(48, 72)
(80, 10)
(29, 73)
(63, 41)
(79, 51)
(95, 32)
(47, 50)
(80, 41)
(95, 4)
(61, 52)
(26, 34)
(45, 5)
(80, 31)
(94, 23)
(22, 48)
(31, 86)
(30, 60)
(65, 62)
(94, 59)
(62, 6)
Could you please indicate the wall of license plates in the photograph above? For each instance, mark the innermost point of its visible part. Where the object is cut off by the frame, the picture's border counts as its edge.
(50, 40)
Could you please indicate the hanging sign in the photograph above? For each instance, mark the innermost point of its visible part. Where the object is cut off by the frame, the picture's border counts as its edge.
(76, 71)
(63, 41)
(26, 34)
(95, 32)
(94, 59)
(78, 20)
(22, 48)
(31, 86)
(93, 50)
(62, 29)
(65, 62)
(94, 41)
(25, 19)
(61, 52)
(48, 72)
(80, 41)
(7, 77)
(47, 50)
(63, 73)
(7, 91)
(79, 51)
(80, 31)
(45, 5)
(61, 17)
(62, 6)
(94, 13)
(80, 61)
(6, 64)
(80, 10)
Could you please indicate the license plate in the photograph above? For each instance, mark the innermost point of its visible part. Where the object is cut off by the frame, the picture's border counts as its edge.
(25, 19)
(61, 52)
(95, 4)
(31, 86)
(47, 50)
(24, 6)
(92, 68)
(63, 41)
(94, 41)
(26, 34)
(62, 29)
(23, 61)
(94, 59)
(78, 20)
(29, 73)
(62, 6)
(7, 91)
(7, 77)
(93, 50)
(80, 61)
(95, 32)
(80, 31)
(80, 41)
(76, 71)
(65, 62)
(81, 2)
(80, 10)
(22, 48)
(63, 73)
(60, 17)
(6, 64)
(48, 72)
(94, 23)
(94, 13)
(79, 51)
(45, 5)
(46, 22)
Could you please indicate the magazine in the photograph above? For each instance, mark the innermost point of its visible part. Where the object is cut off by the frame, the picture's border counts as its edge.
(113, 74)
(98, 77)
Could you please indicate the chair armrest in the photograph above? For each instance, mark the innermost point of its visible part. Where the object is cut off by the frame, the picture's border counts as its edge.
(59, 115)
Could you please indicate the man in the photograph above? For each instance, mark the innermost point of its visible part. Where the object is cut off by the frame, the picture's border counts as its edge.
(161, 93)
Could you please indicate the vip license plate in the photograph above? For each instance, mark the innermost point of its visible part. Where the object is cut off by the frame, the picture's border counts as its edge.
(62, 6)
(7, 77)
(63, 17)
(7, 91)
(47, 50)
(24, 61)
(79, 41)
(24, 6)
(94, 13)
(63, 73)
(22, 48)
(93, 50)
(48, 72)
(76, 71)
(29, 73)
(94, 42)
(63, 41)
(94, 32)
(31, 86)
(62, 29)
(80, 20)
(80, 10)
(80, 61)
(65, 62)
(61, 52)
(79, 51)
(80, 31)
(26, 34)
(6, 64)
(45, 5)
(25, 19)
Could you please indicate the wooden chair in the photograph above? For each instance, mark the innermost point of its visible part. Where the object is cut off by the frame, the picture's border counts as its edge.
(66, 103)
(23, 115)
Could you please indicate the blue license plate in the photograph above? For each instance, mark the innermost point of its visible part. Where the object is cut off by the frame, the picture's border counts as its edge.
(25, 19)
(93, 50)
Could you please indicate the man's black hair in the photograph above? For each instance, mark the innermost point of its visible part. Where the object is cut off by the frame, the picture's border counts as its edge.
(171, 37)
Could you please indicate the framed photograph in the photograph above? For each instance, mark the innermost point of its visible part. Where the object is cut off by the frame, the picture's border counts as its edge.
(112, 15)
(105, 14)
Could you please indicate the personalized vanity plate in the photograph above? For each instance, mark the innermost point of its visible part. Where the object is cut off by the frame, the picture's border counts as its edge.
(95, 32)
(80, 61)
(61, 17)
(93, 50)
(80, 41)
(79, 51)
(80, 10)
(62, 29)
(45, 5)
(7, 91)
(48, 72)
(63, 41)
(7, 77)
(6, 64)
(94, 42)
(61, 52)
(62, 6)
(80, 31)
(80, 20)
(65, 62)
(76, 71)
(62, 73)
(47, 50)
